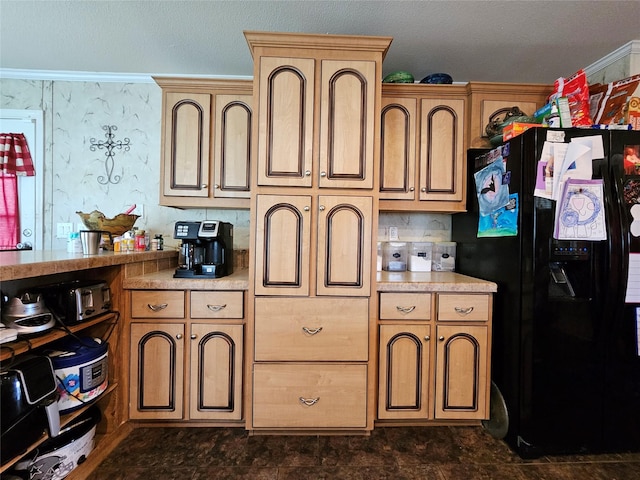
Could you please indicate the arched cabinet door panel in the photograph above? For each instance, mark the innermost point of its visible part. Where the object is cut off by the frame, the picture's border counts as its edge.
(461, 375)
(442, 150)
(232, 145)
(216, 372)
(398, 149)
(187, 124)
(285, 121)
(344, 245)
(157, 366)
(283, 233)
(347, 120)
(404, 372)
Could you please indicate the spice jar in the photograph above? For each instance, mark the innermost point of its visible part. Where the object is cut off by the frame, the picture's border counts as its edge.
(139, 244)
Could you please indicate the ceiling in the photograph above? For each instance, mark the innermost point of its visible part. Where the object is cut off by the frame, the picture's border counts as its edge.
(503, 40)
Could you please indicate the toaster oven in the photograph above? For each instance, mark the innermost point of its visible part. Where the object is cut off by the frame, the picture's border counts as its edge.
(77, 301)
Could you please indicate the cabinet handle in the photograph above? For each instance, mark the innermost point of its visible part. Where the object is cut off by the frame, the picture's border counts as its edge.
(216, 186)
(193, 336)
(463, 311)
(204, 185)
(307, 173)
(406, 309)
(427, 338)
(309, 401)
(179, 336)
(216, 308)
(441, 338)
(157, 308)
(423, 189)
(323, 174)
(311, 331)
(306, 208)
(321, 208)
(411, 189)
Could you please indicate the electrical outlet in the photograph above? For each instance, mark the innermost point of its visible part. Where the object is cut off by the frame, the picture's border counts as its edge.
(393, 234)
(63, 230)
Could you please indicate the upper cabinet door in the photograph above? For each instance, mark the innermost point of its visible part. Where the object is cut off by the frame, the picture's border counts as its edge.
(187, 121)
(285, 126)
(232, 146)
(347, 122)
(442, 152)
(344, 245)
(398, 148)
(283, 233)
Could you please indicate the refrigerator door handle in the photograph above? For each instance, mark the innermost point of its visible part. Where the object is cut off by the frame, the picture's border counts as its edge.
(617, 241)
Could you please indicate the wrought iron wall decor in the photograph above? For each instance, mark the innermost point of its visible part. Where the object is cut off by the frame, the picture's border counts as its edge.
(110, 145)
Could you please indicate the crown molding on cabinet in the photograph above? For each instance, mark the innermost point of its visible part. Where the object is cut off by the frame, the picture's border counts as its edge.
(631, 48)
(70, 76)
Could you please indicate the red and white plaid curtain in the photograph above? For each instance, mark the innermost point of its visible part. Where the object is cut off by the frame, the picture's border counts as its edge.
(15, 160)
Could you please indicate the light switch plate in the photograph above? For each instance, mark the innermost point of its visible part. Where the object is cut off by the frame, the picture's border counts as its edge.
(393, 234)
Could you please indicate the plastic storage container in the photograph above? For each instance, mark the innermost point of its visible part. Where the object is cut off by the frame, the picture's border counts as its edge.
(444, 257)
(420, 256)
(394, 256)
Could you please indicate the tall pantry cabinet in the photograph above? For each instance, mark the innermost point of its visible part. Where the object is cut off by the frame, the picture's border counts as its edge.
(314, 203)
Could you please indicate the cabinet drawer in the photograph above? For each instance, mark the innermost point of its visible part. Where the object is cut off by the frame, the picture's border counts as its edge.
(405, 306)
(157, 304)
(463, 307)
(309, 396)
(216, 304)
(309, 329)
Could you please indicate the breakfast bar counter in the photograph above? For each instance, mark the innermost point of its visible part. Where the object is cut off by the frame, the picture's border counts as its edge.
(36, 263)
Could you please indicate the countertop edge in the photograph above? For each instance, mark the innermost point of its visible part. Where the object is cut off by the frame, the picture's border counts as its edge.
(22, 264)
(163, 280)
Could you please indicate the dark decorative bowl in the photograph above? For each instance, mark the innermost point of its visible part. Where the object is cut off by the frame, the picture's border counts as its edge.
(437, 78)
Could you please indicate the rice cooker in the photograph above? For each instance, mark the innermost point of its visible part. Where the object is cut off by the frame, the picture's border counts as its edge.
(56, 458)
(81, 367)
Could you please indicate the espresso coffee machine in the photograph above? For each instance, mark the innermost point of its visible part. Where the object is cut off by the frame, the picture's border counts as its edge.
(206, 250)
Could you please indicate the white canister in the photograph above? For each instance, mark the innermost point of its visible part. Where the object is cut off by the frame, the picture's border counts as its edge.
(444, 257)
(420, 256)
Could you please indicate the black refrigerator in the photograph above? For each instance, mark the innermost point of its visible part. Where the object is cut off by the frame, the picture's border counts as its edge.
(565, 358)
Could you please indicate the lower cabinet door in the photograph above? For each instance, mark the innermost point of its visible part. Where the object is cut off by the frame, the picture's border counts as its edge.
(404, 372)
(462, 372)
(216, 372)
(156, 371)
(309, 396)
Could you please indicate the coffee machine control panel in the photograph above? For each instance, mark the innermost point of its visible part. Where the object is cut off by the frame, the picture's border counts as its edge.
(186, 230)
(209, 229)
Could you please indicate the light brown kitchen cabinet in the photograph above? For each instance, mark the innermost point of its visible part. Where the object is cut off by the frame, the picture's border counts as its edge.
(485, 99)
(216, 371)
(193, 345)
(156, 371)
(324, 89)
(285, 237)
(462, 376)
(423, 153)
(404, 371)
(206, 142)
(434, 368)
(314, 214)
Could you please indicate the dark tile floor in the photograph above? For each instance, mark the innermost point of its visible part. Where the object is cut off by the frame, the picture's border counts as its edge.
(442, 453)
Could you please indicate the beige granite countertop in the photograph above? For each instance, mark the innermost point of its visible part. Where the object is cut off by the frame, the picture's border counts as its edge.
(163, 280)
(34, 263)
(432, 282)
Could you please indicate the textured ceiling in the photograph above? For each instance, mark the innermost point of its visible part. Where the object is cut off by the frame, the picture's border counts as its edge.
(512, 41)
